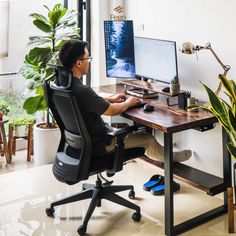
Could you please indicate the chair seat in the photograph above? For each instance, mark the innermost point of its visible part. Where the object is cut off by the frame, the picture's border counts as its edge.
(105, 162)
(65, 167)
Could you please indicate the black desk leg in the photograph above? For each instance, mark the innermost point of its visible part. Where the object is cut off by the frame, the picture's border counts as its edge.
(168, 165)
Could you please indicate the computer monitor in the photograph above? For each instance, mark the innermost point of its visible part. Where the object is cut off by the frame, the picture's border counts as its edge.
(155, 59)
(119, 46)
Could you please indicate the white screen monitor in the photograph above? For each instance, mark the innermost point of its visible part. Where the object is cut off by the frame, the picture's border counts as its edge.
(155, 59)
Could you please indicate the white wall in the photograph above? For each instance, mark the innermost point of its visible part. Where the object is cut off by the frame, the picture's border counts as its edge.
(20, 28)
(99, 13)
(199, 22)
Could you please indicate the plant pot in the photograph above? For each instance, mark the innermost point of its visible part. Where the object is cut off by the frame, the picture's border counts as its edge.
(46, 142)
(174, 88)
(21, 131)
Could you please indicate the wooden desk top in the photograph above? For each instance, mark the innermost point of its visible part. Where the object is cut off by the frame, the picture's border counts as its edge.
(169, 119)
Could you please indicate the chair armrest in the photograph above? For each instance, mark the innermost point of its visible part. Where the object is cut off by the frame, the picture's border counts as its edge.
(124, 131)
(119, 149)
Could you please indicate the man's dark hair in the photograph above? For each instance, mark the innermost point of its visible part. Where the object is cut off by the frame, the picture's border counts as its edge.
(71, 51)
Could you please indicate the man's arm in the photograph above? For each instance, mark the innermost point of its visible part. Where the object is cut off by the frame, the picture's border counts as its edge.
(118, 108)
(117, 98)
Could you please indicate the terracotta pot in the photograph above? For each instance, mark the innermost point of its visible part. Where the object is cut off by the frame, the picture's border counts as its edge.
(174, 88)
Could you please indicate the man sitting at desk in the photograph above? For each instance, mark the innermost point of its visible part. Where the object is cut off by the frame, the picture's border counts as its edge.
(74, 56)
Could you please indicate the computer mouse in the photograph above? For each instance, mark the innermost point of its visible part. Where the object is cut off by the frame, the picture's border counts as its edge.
(148, 108)
(166, 89)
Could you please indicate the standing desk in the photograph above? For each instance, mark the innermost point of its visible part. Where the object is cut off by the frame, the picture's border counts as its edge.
(170, 120)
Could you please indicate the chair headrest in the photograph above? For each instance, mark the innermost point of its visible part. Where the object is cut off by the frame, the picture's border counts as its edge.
(63, 77)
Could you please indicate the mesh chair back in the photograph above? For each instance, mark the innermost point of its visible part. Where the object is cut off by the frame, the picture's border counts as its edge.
(69, 168)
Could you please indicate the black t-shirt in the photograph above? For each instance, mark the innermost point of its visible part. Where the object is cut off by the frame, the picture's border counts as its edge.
(92, 107)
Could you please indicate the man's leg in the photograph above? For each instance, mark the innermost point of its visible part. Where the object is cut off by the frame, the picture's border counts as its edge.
(153, 149)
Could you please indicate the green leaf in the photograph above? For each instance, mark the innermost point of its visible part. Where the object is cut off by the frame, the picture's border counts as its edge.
(39, 56)
(215, 101)
(232, 149)
(222, 119)
(232, 120)
(40, 91)
(58, 6)
(41, 22)
(70, 15)
(55, 16)
(33, 104)
(59, 45)
(40, 41)
(227, 86)
(234, 85)
(31, 85)
(37, 16)
(42, 26)
(47, 7)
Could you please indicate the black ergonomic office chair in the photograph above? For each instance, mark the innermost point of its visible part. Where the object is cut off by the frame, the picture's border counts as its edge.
(74, 160)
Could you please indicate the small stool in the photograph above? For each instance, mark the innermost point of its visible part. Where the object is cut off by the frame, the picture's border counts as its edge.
(4, 148)
(12, 141)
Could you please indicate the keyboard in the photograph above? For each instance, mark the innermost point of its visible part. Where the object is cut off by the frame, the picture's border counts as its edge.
(143, 93)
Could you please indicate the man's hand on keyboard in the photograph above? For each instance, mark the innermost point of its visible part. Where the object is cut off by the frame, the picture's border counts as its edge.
(117, 98)
(133, 101)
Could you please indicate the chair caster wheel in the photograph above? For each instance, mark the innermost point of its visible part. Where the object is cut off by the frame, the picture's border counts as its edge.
(136, 217)
(82, 230)
(49, 211)
(131, 194)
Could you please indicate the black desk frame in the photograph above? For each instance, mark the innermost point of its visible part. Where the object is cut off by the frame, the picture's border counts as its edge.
(170, 228)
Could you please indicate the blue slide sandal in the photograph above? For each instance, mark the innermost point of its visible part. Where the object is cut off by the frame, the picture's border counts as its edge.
(154, 181)
(160, 189)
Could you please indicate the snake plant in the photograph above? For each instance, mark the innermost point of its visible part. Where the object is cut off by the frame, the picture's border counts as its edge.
(224, 109)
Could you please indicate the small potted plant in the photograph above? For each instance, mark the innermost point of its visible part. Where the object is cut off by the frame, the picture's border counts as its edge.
(20, 124)
(174, 85)
(4, 110)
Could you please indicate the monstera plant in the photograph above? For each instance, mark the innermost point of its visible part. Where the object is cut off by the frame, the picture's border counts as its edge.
(224, 110)
(58, 26)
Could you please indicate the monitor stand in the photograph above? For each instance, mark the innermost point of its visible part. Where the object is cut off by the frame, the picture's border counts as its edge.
(142, 93)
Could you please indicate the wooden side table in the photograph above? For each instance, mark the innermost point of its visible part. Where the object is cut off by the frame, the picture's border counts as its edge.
(3, 141)
(12, 141)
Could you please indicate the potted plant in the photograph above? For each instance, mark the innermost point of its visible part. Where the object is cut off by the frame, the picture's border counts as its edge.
(4, 109)
(224, 110)
(20, 124)
(57, 26)
(174, 85)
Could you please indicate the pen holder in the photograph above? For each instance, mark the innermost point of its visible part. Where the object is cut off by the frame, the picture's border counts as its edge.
(182, 99)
